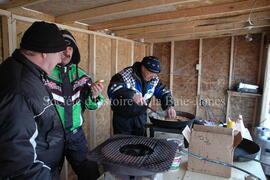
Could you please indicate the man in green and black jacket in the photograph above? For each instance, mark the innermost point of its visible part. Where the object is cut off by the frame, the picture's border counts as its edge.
(73, 91)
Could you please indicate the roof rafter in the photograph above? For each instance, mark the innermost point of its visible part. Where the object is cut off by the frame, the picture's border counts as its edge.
(208, 34)
(200, 29)
(118, 8)
(200, 22)
(187, 14)
(19, 3)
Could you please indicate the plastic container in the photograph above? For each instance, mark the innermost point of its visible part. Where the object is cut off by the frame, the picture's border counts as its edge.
(178, 155)
(176, 161)
(239, 124)
(230, 124)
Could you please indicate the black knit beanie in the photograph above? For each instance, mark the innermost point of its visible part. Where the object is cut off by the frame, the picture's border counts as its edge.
(43, 37)
(76, 57)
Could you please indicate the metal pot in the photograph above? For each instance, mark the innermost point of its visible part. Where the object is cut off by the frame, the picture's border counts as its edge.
(247, 150)
(173, 124)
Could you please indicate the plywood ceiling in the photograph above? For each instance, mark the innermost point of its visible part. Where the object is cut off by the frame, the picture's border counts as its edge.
(158, 20)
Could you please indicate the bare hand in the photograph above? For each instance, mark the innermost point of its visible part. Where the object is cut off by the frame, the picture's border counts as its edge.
(138, 99)
(96, 88)
(171, 112)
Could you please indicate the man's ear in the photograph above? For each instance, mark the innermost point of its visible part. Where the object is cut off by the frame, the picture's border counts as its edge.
(44, 55)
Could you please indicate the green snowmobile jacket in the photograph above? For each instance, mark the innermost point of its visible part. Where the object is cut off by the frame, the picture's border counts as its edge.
(72, 101)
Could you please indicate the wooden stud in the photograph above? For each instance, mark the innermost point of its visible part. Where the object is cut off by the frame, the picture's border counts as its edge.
(132, 52)
(230, 78)
(114, 70)
(5, 36)
(231, 62)
(171, 65)
(266, 94)
(255, 112)
(151, 49)
(92, 70)
(261, 59)
(12, 34)
(199, 77)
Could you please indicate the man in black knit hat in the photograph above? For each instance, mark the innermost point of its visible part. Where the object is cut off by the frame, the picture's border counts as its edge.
(32, 136)
(73, 91)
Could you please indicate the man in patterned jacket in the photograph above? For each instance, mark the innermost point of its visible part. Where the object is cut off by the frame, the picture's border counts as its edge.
(73, 91)
(130, 92)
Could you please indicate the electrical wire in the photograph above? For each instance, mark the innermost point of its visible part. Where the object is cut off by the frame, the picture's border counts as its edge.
(218, 162)
(249, 16)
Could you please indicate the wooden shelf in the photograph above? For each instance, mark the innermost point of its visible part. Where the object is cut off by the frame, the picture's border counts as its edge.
(235, 93)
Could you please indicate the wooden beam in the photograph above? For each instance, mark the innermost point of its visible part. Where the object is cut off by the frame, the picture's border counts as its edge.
(12, 33)
(19, 3)
(132, 52)
(208, 34)
(199, 77)
(171, 66)
(198, 29)
(92, 71)
(27, 19)
(255, 112)
(196, 23)
(230, 78)
(151, 49)
(118, 8)
(5, 36)
(264, 121)
(114, 70)
(187, 14)
(231, 63)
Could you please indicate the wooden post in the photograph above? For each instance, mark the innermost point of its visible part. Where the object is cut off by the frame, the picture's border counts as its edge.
(266, 94)
(5, 36)
(132, 52)
(199, 77)
(230, 77)
(151, 49)
(171, 66)
(92, 70)
(12, 34)
(255, 112)
(114, 70)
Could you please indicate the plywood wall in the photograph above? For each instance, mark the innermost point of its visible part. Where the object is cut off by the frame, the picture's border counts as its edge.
(124, 55)
(139, 51)
(245, 69)
(216, 56)
(215, 67)
(103, 71)
(163, 52)
(185, 75)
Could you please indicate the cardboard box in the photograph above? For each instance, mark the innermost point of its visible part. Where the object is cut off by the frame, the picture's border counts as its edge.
(215, 143)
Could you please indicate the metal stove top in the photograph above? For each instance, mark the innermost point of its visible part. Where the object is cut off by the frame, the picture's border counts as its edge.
(130, 154)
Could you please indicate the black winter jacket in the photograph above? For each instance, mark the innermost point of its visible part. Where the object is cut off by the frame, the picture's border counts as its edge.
(31, 134)
(128, 117)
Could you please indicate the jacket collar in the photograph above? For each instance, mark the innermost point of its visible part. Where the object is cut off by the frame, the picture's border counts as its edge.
(18, 56)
